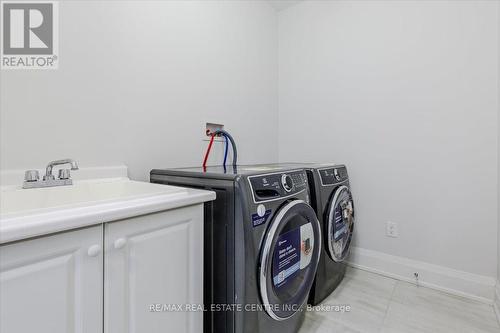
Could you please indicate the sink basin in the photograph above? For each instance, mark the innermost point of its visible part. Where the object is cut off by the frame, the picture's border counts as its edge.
(26, 213)
(17, 201)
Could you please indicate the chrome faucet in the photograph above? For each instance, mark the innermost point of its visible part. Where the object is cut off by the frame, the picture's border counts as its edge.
(32, 177)
(48, 170)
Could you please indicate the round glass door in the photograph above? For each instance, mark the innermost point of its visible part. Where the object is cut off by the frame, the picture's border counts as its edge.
(289, 259)
(340, 220)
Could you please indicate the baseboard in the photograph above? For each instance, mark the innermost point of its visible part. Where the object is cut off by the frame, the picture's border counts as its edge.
(477, 287)
(496, 304)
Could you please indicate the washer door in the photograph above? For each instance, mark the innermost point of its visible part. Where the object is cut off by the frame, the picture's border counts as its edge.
(340, 224)
(289, 259)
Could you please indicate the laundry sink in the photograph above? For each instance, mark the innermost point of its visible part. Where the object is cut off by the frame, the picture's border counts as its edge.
(15, 200)
(28, 213)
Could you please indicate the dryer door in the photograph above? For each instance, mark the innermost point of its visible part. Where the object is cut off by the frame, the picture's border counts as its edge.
(289, 258)
(340, 224)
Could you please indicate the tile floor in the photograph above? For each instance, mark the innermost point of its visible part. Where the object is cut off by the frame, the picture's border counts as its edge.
(381, 304)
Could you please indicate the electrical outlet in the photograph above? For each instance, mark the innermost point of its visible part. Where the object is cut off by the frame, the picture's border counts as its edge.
(391, 229)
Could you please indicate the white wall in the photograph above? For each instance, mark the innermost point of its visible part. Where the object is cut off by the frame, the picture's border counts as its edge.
(405, 93)
(137, 81)
(498, 179)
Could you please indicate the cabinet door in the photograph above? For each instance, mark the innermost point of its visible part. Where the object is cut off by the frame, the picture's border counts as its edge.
(154, 259)
(52, 284)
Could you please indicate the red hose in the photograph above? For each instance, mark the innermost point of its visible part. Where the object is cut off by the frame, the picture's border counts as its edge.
(208, 151)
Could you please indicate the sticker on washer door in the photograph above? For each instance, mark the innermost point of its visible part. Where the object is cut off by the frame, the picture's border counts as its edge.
(286, 261)
(340, 226)
(306, 244)
(292, 252)
(261, 216)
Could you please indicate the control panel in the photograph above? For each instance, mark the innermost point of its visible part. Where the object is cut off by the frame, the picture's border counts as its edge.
(333, 175)
(277, 185)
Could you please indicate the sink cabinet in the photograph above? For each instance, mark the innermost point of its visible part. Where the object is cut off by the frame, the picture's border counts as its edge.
(154, 260)
(53, 283)
(117, 272)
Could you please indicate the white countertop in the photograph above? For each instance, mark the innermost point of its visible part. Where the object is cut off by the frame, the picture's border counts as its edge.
(26, 213)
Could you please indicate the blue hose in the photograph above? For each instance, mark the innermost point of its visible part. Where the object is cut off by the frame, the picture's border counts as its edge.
(233, 145)
(225, 150)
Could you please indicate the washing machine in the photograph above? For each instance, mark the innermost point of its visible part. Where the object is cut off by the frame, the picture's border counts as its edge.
(332, 200)
(262, 245)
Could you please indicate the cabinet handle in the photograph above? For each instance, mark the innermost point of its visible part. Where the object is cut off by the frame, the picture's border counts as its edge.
(120, 243)
(94, 250)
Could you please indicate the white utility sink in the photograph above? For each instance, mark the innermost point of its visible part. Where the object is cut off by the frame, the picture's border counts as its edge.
(28, 213)
(15, 200)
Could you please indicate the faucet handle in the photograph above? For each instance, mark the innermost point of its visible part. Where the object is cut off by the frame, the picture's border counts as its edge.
(31, 176)
(64, 174)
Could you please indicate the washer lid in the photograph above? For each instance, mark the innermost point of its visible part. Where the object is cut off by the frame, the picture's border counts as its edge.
(289, 259)
(340, 224)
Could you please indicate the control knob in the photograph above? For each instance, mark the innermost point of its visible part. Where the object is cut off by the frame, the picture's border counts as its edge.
(287, 182)
(336, 174)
